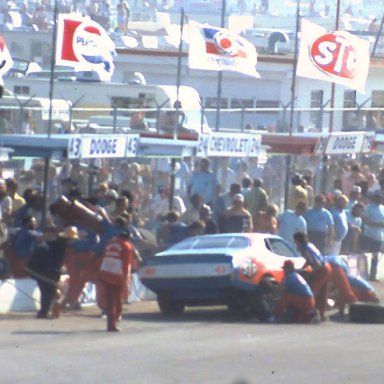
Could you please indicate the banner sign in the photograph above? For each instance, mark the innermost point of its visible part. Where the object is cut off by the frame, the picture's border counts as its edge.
(369, 139)
(218, 49)
(220, 144)
(337, 56)
(102, 146)
(85, 45)
(340, 143)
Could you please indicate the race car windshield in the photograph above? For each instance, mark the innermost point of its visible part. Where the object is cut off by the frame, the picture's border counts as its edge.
(201, 242)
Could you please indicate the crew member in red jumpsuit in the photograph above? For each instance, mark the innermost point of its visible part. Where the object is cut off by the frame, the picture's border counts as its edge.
(339, 277)
(115, 269)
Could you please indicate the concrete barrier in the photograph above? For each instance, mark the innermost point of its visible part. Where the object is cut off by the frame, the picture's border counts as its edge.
(18, 295)
(23, 295)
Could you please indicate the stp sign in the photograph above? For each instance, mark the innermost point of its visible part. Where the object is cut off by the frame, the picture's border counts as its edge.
(333, 54)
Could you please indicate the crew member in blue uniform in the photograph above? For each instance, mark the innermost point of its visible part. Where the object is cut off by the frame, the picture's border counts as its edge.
(297, 303)
(321, 270)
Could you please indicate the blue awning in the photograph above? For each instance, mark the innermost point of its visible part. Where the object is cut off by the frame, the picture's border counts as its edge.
(54, 146)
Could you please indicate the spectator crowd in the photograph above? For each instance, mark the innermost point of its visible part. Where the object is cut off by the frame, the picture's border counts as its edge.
(336, 203)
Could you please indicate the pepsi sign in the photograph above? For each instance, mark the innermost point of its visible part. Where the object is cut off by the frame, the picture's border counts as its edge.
(85, 45)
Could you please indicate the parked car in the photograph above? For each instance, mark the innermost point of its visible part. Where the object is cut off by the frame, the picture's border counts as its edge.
(239, 270)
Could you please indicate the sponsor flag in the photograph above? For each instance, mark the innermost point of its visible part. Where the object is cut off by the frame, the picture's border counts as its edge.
(338, 57)
(85, 45)
(6, 61)
(218, 49)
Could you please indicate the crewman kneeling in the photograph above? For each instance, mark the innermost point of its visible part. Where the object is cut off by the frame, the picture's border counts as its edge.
(362, 289)
(297, 302)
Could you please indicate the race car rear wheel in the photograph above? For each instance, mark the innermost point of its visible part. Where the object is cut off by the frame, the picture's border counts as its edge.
(168, 306)
(266, 298)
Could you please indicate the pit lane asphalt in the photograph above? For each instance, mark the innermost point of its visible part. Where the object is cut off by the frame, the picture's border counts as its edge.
(205, 345)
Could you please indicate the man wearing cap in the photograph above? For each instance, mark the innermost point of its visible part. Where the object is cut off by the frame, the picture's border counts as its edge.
(340, 221)
(354, 197)
(46, 262)
(236, 219)
(115, 270)
(110, 200)
(205, 213)
(297, 303)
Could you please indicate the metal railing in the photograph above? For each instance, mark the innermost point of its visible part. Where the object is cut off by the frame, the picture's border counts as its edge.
(14, 118)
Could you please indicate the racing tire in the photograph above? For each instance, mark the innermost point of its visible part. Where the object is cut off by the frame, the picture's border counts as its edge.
(361, 312)
(169, 306)
(266, 298)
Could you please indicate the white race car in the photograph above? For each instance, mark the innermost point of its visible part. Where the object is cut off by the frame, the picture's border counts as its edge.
(239, 270)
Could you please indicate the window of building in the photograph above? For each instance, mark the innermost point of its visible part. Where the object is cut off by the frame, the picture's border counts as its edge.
(349, 99)
(377, 99)
(36, 49)
(317, 100)
(142, 100)
(242, 103)
(211, 102)
(16, 48)
(375, 118)
(268, 104)
(21, 90)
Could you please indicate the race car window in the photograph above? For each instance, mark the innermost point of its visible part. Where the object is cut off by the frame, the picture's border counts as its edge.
(279, 248)
(232, 242)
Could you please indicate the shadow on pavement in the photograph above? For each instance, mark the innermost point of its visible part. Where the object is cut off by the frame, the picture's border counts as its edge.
(43, 333)
(214, 315)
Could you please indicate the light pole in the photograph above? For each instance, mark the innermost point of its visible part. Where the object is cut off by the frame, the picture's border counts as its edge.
(50, 112)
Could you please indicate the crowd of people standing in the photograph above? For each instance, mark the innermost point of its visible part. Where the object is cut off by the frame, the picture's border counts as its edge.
(348, 219)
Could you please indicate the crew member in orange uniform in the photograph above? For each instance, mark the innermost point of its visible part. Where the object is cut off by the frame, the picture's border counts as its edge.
(339, 277)
(321, 270)
(115, 270)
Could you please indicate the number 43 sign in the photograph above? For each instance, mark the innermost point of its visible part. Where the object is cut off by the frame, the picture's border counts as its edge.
(132, 145)
(74, 147)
